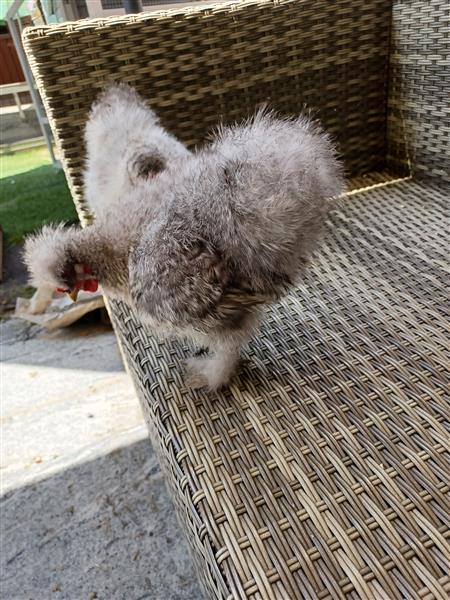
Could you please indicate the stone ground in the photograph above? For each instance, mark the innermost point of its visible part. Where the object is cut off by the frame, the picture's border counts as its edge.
(85, 513)
(14, 129)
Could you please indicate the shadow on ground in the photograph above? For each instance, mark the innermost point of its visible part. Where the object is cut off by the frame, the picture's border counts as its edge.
(104, 529)
(69, 348)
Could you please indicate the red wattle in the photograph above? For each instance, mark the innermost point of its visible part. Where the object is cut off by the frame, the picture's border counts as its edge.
(89, 285)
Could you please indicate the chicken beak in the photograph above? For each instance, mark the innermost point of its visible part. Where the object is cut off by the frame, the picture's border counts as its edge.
(73, 294)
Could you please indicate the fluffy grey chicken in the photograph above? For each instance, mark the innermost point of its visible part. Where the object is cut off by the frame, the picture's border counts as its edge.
(195, 243)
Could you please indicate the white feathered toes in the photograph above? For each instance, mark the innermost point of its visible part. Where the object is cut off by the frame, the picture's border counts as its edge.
(196, 242)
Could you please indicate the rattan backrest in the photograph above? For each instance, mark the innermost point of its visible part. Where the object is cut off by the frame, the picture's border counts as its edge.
(419, 96)
(197, 66)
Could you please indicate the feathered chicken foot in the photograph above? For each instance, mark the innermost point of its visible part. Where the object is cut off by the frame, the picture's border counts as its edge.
(213, 370)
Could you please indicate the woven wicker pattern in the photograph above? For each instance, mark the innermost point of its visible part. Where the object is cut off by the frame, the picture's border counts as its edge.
(324, 470)
(419, 100)
(200, 65)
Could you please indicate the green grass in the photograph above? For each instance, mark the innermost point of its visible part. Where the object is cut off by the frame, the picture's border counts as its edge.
(32, 192)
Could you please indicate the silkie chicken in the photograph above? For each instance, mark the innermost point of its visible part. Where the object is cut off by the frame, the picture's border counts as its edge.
(196, 243)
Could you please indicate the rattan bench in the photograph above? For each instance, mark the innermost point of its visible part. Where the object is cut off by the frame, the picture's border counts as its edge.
(323, 471)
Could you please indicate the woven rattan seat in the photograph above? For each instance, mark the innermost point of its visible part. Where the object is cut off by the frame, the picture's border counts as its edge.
(323, 470)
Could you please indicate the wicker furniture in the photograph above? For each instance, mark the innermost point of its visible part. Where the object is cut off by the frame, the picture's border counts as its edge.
(323, 471)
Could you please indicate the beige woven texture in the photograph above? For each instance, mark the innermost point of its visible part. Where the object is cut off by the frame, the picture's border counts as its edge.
(419, 98)
(199, 66)
(323, 471)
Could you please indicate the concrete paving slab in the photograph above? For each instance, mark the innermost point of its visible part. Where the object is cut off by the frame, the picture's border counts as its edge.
(85, 511)
(14, 129)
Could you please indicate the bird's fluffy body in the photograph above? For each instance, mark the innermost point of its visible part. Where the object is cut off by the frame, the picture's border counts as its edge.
(235, 225)
(200, 247)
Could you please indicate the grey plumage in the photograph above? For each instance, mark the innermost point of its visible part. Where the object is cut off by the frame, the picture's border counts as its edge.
(212, 236)
(126, 146)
